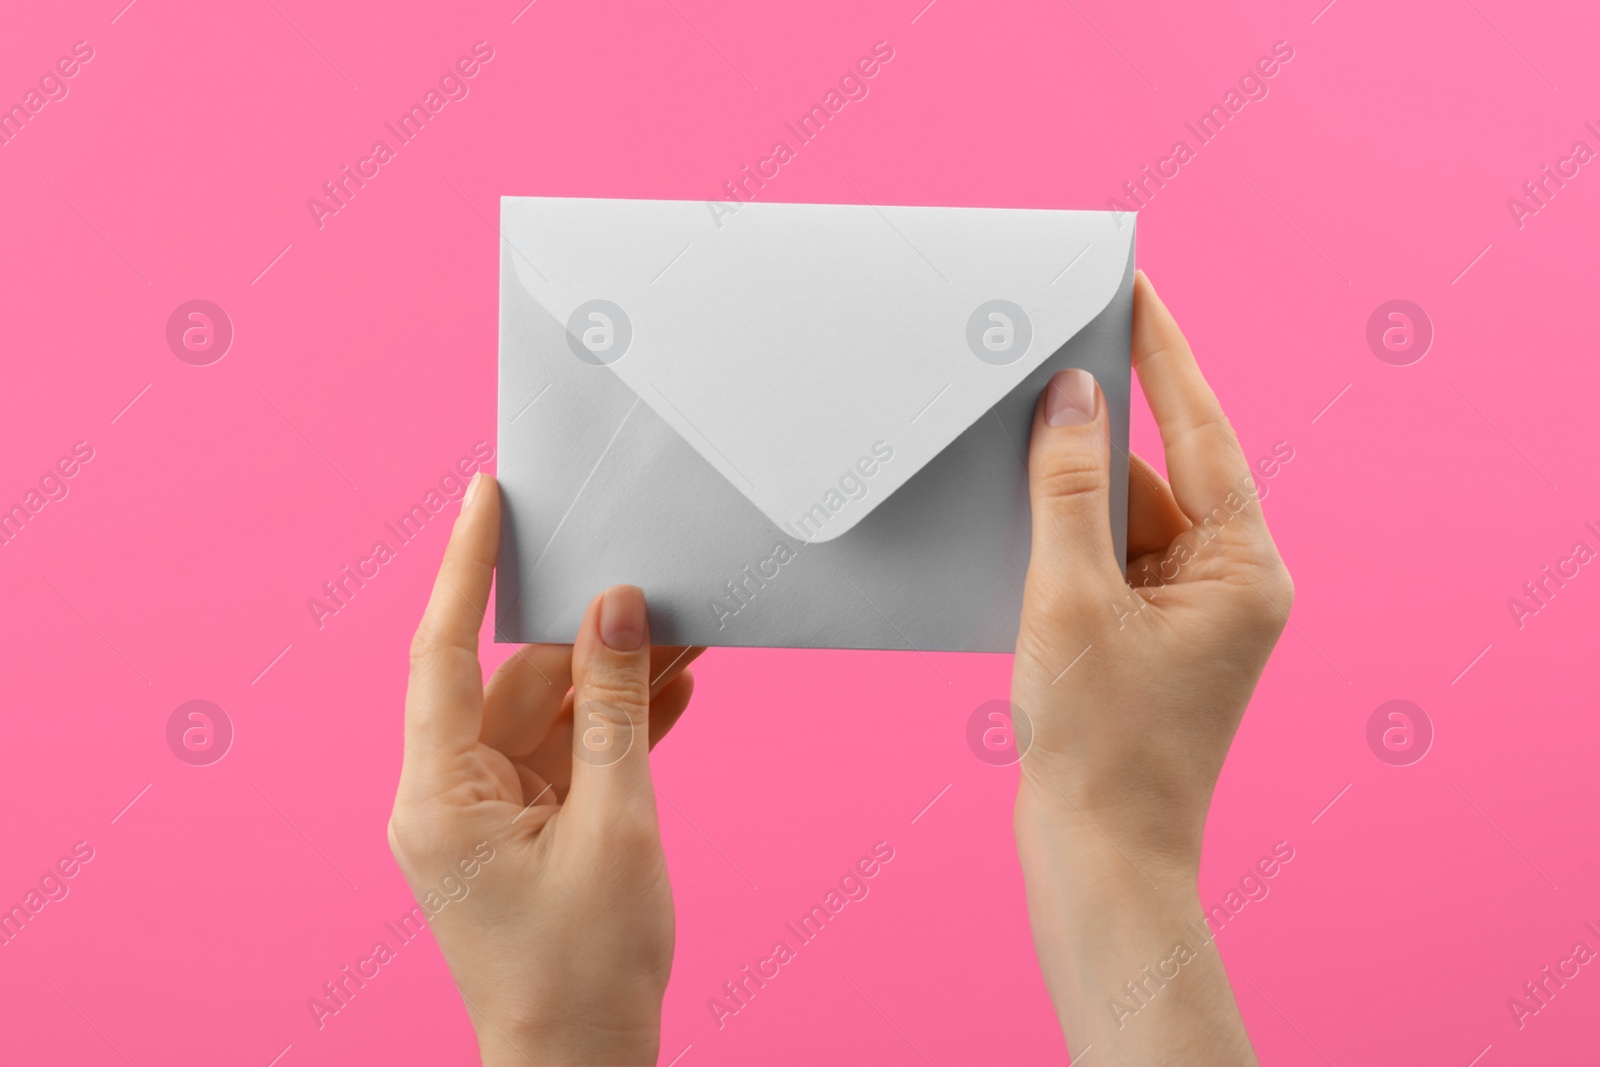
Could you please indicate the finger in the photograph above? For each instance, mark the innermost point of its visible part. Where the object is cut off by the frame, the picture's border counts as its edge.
(668, 706)
(1154, 518)
(444, 700)
(1204, 459)
(611, 706)
(524, 697)
(539, 800)
(1069, 476)
(529, 691)
(552, 757)
(535, 790)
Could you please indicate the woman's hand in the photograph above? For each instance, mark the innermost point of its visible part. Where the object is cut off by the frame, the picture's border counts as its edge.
(525, 818)
(1133, 689)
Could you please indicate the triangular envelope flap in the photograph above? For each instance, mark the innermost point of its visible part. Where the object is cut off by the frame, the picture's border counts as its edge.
(816, 355)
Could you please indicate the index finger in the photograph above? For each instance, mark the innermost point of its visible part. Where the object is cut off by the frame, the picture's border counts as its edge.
(444, 701)
(1204, 460)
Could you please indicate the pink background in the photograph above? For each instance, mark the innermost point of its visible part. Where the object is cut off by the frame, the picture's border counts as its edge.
(179, 565)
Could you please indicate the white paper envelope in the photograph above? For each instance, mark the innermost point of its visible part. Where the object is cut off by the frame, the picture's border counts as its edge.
(796, 425)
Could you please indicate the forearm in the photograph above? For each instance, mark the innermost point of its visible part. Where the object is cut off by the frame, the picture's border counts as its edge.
(1131, 967)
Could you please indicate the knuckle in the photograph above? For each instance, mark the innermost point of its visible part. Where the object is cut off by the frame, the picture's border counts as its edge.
(1072, 476)
(1040, 640)
(1272, 599)
(1210, 422)
(615, 686)
(423, 644)
(395, 847)
(403, 837)
(1056, 617)
(1052, 611)
(420, 831)
(1280, 586)
(429, 650)
(634, 830)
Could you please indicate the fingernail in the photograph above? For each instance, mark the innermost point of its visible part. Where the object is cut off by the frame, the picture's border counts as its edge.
(472, 491)
(1069, 398)
(622, 618)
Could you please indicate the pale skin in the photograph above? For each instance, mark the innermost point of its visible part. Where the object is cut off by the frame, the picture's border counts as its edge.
(562, 947)
(1128, 742)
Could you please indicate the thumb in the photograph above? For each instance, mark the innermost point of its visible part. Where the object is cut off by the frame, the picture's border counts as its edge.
(1069, 482)
(611, 706)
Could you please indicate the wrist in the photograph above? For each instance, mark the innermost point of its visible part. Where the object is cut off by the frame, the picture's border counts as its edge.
(567, 1045)
(1118, 928)
(1105, 845)
(1089, 871)
(623, 1031)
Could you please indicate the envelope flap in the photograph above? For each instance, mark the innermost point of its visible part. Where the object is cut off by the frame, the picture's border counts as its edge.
(816, 355)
